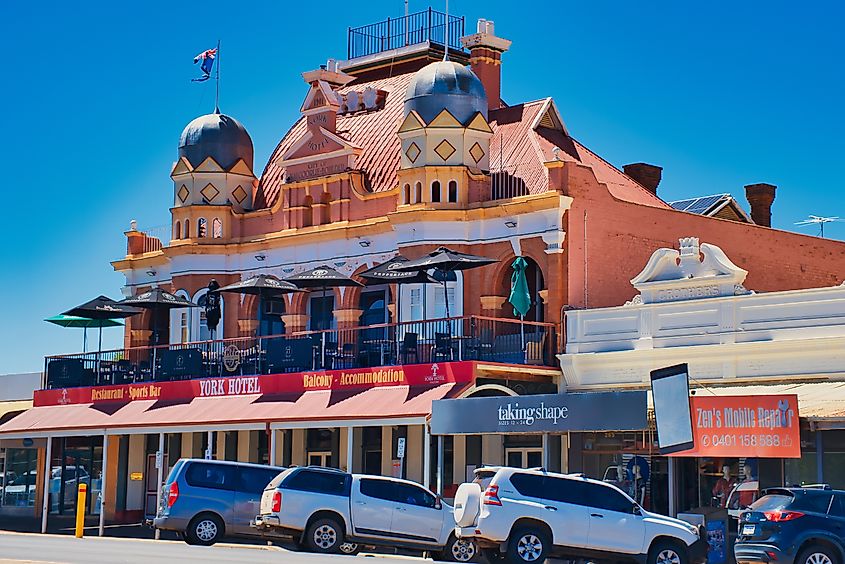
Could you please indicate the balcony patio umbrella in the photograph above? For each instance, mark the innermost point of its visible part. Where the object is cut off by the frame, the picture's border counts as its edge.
(520, 297)
(102, 307)
(446, 260)
(388, 272)
(157, 301)
(322, 277)
(84, 323)
(261, 285)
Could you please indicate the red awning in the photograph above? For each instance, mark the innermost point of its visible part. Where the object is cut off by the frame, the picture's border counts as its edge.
(393, 402)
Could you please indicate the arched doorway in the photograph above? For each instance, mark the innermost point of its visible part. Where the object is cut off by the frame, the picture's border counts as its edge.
(536, 284)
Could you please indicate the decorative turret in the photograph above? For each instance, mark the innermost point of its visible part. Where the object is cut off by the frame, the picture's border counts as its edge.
(445, 135)
(214, 169)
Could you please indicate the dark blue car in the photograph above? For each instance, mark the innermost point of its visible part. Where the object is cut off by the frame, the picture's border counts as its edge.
(793, 526)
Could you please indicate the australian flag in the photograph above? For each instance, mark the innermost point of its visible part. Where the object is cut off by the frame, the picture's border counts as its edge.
(206, 60)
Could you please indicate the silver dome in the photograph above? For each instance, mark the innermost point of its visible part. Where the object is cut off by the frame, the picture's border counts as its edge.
(446, 85)
(218, 136)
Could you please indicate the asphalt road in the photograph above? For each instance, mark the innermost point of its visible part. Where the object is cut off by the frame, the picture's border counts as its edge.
(20, 548)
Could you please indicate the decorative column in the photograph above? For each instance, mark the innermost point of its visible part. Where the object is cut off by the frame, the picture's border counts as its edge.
(491, 306)
(295, 322)
(247, 327)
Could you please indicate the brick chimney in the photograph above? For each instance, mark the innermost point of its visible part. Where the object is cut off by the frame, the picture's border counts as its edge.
(760, 198)
(485, 59)
(646, 174)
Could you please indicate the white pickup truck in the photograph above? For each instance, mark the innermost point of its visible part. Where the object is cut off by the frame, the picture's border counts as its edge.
(330, 511)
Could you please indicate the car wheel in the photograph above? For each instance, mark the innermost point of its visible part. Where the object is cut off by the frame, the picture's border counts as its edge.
(204, 530)
(817, 554)
(457, 550)
(667, 553)
(350, 548)
(528, 545)
(324, 536)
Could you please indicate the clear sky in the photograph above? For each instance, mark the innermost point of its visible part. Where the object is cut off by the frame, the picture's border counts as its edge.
(95, 95)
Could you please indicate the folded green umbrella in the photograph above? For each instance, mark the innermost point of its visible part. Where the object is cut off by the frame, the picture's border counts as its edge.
(84, 322)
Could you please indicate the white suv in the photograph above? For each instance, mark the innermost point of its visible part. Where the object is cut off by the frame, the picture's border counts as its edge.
(527, 515)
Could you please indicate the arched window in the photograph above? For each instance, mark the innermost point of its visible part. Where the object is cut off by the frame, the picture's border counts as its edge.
(177, 230)
(453, 191)
(406, 194)
(435, 191)
(417, 193)
(326, 208)
(216, 228)
(202, 228)
(307, 213)
(187, 229)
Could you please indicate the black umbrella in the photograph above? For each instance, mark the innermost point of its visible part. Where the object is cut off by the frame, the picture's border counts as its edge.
(322, 277)
(261, 285)
(157, 301)
(446, 260)
(102, 307)
(388, 272)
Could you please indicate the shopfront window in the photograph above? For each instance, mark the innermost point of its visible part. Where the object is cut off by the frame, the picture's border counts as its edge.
(21, 472)
(76, 460)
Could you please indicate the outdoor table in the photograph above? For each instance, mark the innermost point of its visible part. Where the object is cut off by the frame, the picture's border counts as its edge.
(383, 347)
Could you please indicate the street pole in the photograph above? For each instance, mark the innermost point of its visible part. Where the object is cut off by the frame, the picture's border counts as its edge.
(426, 456)
(440, 456)
(160, 460)
(350, 435)
(48, 466)
(103, 485)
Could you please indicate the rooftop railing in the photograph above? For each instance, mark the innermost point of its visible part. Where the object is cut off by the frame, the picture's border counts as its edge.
(393, 33)
(478, 338)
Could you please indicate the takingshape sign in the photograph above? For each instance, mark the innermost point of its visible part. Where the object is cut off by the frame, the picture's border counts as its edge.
(545, 413)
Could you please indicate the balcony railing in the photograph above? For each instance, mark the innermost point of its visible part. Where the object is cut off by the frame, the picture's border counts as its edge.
(414, 342)
(393, 33)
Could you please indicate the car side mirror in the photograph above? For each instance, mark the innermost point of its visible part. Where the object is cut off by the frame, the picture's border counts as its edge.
(438, 502)
(637, 510)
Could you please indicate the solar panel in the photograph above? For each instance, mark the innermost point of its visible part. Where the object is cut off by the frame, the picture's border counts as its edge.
(699, 205)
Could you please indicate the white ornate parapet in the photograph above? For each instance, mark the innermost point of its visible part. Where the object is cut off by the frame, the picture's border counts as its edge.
(695, 271)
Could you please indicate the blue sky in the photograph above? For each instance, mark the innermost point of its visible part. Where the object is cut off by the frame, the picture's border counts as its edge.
(95, 95)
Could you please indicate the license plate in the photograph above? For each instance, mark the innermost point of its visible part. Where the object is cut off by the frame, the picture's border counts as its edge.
(748, 530)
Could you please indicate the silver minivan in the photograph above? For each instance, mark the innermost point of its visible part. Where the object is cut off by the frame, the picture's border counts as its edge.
(205, 500)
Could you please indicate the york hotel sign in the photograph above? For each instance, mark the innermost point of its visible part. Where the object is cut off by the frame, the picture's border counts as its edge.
(423, 375)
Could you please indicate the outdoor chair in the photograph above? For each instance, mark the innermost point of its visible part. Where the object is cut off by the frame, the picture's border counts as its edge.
(442, 346)
(409, 347)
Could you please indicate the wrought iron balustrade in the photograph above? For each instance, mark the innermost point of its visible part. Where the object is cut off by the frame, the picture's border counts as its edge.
(477, 338)
(393, 33)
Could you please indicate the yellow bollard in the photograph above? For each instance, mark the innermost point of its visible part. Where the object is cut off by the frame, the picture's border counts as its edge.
(80, 509)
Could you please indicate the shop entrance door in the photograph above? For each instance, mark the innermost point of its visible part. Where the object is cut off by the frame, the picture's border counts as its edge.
(319, 459)
(151, 484)
(524, 457)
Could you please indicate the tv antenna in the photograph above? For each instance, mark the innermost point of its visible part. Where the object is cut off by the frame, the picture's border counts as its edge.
(820, 221)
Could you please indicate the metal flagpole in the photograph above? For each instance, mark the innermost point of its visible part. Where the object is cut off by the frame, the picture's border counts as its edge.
(217, 95)
(446, 35)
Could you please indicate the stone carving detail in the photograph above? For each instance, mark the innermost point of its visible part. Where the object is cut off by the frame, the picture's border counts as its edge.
(636, 300)
(695, 271)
